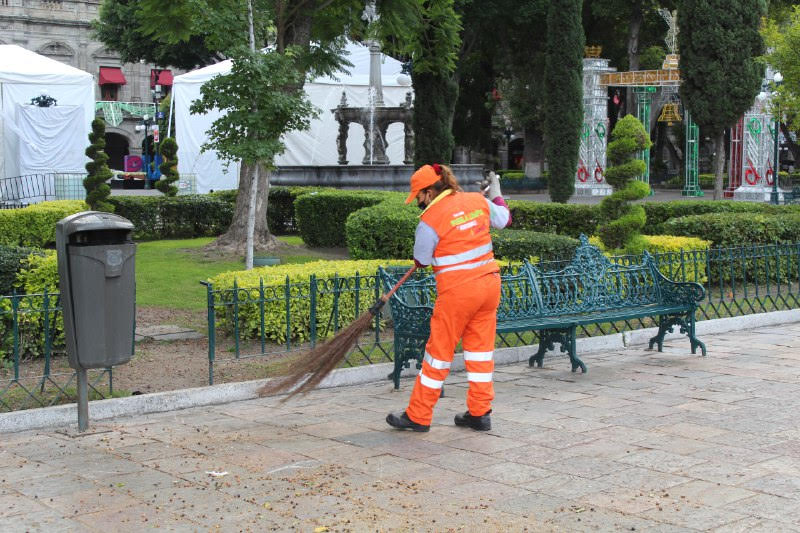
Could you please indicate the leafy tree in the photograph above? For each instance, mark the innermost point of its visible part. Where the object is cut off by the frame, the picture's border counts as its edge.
(97, 190)
(169, 167)
(432, 41)
(563, 96)
(782, 38)
(719, 43)
(622, 222)
(249, 132)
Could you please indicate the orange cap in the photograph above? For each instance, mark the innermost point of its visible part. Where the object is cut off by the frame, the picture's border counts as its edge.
(424, 177)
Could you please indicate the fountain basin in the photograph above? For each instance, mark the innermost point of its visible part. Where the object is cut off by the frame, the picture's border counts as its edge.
(380, 177)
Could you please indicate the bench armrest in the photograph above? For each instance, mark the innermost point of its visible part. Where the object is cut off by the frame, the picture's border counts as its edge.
(679, 291)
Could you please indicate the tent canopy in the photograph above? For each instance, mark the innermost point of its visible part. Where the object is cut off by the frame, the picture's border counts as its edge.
(315, 146)
(41, 141)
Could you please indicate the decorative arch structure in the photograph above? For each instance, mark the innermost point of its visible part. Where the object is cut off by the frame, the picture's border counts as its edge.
(56, 49)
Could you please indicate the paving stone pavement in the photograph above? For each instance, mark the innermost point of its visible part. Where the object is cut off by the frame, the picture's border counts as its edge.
(645, 441)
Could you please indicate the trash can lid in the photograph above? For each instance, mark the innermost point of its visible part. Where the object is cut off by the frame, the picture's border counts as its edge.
(92, 220)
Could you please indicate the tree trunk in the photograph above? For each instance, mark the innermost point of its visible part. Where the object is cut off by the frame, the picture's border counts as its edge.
(634, 30)
(235, 239)
(251, 220)
(719, 164)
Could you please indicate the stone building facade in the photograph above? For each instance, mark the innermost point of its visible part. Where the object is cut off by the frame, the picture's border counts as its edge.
(60, 30)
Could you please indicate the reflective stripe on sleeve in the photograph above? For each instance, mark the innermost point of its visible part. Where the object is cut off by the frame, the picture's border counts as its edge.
(478, 356)
(430, 383)
(463, 256)
(438, 364)
(479, 377)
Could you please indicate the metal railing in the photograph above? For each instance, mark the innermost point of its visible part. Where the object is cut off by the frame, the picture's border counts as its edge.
(33, 372)
(242, 320)
(28, 189)
(266, 325)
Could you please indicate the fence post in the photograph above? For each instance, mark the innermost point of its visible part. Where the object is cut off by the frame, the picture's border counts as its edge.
(15, 318)
(287, 292)
(236, 317)
(261, 311)
(211, 330)
(312, 282)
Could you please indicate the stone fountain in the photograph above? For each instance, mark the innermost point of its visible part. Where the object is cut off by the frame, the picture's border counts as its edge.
(375, 171)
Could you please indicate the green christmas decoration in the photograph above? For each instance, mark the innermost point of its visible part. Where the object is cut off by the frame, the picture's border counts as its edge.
(98, 173)
(621, 221)
(169, 167)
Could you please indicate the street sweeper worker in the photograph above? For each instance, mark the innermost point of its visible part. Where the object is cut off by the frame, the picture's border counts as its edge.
(453, 238)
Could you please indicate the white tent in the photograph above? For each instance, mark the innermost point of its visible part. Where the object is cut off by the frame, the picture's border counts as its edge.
(38, 139)
(315, 146)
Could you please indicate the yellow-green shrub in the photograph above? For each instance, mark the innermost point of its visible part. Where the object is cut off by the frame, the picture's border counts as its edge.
(328, 274)
(35, 225)
(672, 263)
(39, 274)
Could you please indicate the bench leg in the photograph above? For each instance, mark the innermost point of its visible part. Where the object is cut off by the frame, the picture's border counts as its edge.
(573, 355)
(566, 338)
(667, 323)
(693, 339)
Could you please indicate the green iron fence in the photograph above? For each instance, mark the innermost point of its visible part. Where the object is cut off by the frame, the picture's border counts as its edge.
(738, 281)
(268, 324)
(33, 371)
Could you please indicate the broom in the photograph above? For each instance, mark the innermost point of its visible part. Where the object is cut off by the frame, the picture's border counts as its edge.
(311, 368)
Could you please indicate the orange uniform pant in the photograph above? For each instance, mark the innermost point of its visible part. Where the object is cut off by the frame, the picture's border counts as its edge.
(467, 313)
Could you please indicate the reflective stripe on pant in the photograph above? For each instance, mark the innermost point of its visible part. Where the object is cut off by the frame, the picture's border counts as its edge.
(467, 313)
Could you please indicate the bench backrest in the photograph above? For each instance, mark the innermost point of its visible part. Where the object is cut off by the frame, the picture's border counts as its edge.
(590, 282)
(412, 305)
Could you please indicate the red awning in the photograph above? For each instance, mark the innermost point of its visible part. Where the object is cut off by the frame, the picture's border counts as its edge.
(112, 76)
(164, 77)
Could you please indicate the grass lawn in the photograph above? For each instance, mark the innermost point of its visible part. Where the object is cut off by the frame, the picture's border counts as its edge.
(168, 272)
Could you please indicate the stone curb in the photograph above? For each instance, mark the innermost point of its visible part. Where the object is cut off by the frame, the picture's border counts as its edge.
(66, 415)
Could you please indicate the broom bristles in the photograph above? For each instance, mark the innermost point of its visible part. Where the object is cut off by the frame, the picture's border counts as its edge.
(312, 367)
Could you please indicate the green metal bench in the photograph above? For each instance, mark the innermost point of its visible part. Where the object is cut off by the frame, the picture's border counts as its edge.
(589, 290)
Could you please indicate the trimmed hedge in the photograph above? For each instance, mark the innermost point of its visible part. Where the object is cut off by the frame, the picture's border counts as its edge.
(162, 217)
(563, 219)
(737, 229)
(35, 225)
(660, 212)
(321, 216)
(517, 244)
(300, 303)
(385, 230)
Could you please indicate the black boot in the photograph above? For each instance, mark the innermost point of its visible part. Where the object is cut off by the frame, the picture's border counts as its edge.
(479, 423)
(401, 421)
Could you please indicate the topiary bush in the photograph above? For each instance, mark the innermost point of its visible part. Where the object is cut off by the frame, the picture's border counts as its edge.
(168, 168)
(516, 245)
(385, 230)
(622, 222)
(321, 216)
(328, 275)
(97, 190)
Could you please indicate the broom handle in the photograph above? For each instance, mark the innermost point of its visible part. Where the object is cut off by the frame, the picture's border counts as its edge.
(385, 298)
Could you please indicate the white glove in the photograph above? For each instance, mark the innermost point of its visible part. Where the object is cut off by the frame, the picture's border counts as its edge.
(494, 186)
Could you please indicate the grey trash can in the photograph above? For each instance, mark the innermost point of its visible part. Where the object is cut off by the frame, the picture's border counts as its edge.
(96, 259)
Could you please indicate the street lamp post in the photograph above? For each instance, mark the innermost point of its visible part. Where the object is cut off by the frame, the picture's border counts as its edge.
(775, 197)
